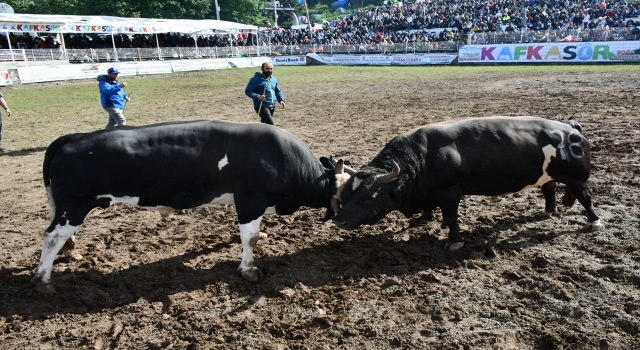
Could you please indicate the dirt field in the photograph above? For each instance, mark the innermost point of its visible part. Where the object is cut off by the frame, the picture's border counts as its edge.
(522, 281)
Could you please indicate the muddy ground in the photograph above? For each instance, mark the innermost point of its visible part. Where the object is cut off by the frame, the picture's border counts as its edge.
(522, 280)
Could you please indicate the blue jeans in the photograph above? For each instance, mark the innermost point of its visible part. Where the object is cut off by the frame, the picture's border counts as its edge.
(0, 127)
(115, 117)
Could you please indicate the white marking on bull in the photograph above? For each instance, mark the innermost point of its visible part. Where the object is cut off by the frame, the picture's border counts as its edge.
(573, 145)
(53, 242)
(249, 235)
(125, 199)
(271, 210)
(226, 198)
(356, 183)
(224, 161)
(52, 204)
(341, 180)
(549, 151)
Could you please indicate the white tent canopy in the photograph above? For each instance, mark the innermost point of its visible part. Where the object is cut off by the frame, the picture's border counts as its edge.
(18, 22)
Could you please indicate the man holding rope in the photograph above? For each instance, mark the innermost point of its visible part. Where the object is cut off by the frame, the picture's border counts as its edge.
(263, 88)
(112, 97)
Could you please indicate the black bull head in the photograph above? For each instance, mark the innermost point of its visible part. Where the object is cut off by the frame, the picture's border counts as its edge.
(369, 195)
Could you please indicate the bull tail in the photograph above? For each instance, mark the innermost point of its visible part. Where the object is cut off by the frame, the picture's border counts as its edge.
(48, 156)
(568, 200)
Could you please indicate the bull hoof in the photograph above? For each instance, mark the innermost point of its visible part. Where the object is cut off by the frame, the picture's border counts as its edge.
(262, 235)
(45, 288)
(73, 256)
(37, 278)
(454, 246)
(552, 213)
(250, 274)
(593, 226)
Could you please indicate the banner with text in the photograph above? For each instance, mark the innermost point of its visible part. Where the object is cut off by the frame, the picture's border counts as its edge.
(407, 59)
(289, 60)
(610, 51)
(154, 67)
(215, 63)
(419, 60)
(186, 65)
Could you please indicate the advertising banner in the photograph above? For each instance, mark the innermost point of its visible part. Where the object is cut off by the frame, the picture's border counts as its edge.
(258, 61)
(130, 68)
(240, 62)
(609, 51)
(406, 59)
(5, 78)
(215, 63)
(35, 74)
(378, 60)
(85, 71)
(154, 67)
(346, 60)
(289, 61)
(186, 65)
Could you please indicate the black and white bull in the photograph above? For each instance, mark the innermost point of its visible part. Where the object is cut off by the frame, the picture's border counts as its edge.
(435, 165)
(259, 168)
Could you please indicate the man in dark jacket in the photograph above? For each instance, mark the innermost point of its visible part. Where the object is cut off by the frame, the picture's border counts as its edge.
(263, 88)
(112, 97)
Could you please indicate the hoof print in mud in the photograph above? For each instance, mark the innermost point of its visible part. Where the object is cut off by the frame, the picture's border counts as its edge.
(251, 274)
(45, 288)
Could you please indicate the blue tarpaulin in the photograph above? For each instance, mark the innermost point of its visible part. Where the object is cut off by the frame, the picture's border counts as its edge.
(300, 2)
(340, 3)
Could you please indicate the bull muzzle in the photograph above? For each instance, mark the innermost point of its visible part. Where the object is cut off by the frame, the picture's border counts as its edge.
(342, 224)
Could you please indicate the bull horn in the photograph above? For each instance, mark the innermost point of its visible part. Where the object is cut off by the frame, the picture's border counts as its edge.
(349, 170)
(339, 167)
(390, 176)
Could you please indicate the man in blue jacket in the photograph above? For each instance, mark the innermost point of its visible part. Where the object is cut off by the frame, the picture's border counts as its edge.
(112, 97)
(263, 88)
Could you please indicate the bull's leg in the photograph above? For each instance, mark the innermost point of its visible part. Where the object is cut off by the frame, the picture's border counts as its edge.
(549, 193)
(250, 211)
(69, 249)
(581, 192)
(55, 237)
(249, 235)
(449, 201)
(427, 214)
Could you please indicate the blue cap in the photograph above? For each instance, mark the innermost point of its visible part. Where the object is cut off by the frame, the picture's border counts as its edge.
(113, 70)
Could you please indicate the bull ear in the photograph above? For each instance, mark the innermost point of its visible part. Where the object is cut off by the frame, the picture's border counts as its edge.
(328, 163)
(339, 167)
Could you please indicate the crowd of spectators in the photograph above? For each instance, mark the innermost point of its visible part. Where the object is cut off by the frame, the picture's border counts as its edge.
(416, 20)
(412, 21)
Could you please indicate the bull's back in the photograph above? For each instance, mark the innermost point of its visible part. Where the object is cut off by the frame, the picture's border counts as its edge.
(497, 155)
(173, 164)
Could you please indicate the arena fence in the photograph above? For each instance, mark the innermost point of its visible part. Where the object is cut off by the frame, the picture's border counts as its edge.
(176, 53)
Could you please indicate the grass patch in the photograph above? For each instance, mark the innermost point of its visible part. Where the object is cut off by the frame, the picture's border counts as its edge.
(45, 111)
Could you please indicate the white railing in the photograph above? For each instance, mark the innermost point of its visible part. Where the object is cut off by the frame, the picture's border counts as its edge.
(265, 49)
